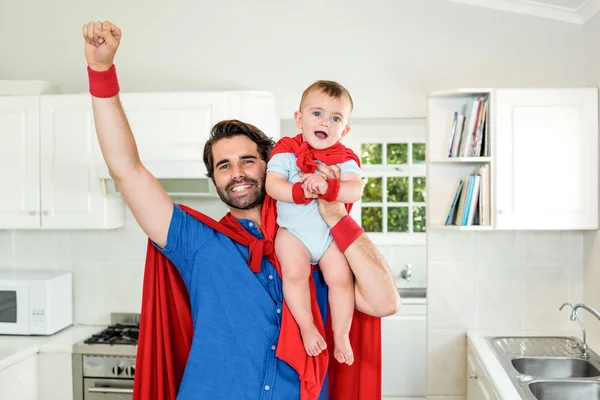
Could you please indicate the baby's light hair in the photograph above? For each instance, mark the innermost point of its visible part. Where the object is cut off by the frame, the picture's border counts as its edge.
(330, 88)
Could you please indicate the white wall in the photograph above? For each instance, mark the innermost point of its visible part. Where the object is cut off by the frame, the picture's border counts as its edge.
(389, 53)
(592, 239)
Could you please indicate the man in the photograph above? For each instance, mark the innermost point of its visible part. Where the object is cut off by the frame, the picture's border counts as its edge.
(236, 311)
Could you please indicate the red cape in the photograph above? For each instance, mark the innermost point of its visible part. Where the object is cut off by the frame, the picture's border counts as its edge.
(166, 327)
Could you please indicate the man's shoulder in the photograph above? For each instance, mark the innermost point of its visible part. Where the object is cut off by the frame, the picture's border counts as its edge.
(184, 211)
(194, 219)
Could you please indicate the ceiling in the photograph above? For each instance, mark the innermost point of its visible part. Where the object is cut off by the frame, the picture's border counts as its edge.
(570, 4)
(573, 11)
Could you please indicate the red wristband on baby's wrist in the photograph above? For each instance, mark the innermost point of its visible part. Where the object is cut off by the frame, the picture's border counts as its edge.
(333, 190)
(298, 194)
(103, 84)
(345, 232)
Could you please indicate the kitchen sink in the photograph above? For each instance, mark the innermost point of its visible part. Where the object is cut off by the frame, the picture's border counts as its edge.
(548, 367)
(565, 390)
(412, 292)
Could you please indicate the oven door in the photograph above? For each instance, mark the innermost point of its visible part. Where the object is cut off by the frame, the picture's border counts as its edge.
(107, 389)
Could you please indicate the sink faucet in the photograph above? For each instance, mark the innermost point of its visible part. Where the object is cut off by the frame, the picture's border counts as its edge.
(406, 272)
(574, 316)
(591, 309)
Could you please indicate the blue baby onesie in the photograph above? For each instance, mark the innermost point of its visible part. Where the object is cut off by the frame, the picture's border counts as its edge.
(304, 220)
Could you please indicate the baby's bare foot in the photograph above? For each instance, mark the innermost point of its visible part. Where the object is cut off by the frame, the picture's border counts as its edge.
(313, 341)
(343, 350)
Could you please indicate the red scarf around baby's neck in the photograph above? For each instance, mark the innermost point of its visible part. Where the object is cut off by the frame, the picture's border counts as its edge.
(166, 327)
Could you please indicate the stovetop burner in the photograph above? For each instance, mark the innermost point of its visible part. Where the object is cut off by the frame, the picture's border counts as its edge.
(117, 334)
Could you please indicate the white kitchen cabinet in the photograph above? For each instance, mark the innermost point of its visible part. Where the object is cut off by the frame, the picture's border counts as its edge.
(546, 158)
(171, 130)
(175, 126)
(19, 381)
(72, 195)
(50, 156)
(542, 159)
(19, 162)
(479, 386)
(47, 160)
(404, 353)
(55, 376)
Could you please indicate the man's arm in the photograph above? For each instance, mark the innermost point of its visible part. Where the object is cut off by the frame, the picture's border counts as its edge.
(145, 197)
(375, 287)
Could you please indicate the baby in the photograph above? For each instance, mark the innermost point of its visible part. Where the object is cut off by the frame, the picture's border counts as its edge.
(304, 237)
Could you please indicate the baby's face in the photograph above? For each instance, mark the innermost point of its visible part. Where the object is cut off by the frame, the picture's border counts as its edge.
(323, 119)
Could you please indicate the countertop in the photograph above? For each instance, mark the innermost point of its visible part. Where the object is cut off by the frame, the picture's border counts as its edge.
(14, 348)
(500, 380)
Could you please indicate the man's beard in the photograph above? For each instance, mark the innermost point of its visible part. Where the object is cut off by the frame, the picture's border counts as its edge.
(253, 199)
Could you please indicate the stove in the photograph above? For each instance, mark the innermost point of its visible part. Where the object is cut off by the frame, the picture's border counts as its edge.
(116, 334)
(104, 363)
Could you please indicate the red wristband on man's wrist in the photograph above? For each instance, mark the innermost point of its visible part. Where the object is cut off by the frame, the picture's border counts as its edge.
(298, 194)
(345, 232)
(103, 84)
(333, 190)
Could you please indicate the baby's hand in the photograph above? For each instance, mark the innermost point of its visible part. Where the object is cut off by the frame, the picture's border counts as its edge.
(316, 183)
(309, 194)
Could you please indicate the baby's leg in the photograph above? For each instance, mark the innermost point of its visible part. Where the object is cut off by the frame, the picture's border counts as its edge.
(294, 259)
(339, 278)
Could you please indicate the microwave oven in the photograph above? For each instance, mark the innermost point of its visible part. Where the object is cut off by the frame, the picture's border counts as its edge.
(35, 302)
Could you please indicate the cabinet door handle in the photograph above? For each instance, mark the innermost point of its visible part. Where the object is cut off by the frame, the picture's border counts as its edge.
(473, 375)
(46, 212)
(32, 213)
(500, 212)
(109, 390)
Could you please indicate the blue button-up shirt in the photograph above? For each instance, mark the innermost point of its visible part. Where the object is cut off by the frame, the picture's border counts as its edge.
(236, 315)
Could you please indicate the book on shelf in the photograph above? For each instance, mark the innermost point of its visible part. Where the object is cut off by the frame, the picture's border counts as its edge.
(470, 203)
(466, 132)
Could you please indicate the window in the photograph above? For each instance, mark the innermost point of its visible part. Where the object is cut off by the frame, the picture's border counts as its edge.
(394, 194)
(393, 206)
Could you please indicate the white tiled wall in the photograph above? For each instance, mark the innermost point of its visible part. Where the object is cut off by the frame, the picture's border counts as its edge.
(107, 266)
(591, 283)
(592, 240)
(400, 256)
(494, 280)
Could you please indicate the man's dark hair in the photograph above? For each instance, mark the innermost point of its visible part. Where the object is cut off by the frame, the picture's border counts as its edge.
(229, 128)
